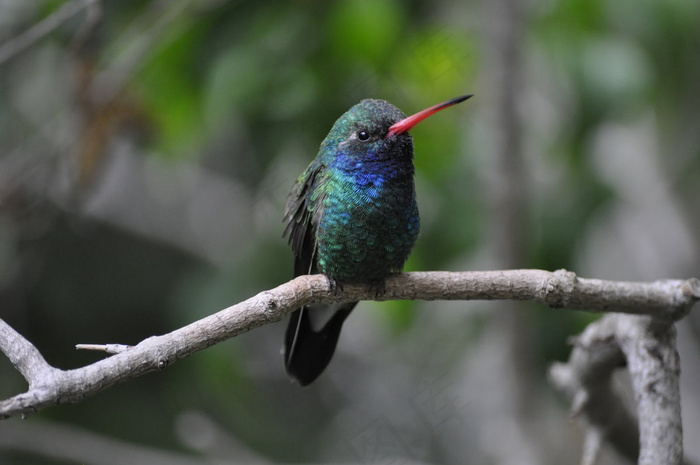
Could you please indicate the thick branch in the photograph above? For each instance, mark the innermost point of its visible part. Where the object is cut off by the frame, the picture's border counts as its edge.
(648, 348)
(668, 300)
(586, 379)
(654, 366)
(23, 355)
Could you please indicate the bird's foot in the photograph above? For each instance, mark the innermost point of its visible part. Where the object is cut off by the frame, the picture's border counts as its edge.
(379, 286)
(334, 285)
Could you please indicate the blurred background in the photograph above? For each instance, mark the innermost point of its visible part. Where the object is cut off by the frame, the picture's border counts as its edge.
(146, 151)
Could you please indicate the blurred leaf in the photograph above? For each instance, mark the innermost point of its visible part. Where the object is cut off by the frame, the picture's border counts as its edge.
(400, 315)
(365, 30)
(169, 86)
(615, 73)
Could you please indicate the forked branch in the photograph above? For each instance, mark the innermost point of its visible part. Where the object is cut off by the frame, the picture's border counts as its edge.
(658, 304)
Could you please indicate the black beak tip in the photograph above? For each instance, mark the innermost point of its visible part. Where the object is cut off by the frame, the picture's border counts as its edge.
(459, 99)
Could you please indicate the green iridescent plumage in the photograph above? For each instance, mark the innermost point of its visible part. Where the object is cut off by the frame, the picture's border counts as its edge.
(356, 201)
(352, 215)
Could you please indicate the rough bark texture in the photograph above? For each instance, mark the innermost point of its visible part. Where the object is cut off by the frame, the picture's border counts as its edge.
(648, 348)
(654, 366)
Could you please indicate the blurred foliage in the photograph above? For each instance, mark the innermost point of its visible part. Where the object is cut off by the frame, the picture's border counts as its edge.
(144, 169)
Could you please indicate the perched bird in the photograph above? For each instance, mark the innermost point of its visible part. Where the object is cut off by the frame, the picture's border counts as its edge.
(352, 215)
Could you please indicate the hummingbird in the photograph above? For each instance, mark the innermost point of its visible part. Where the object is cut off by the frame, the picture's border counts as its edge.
(352, 215)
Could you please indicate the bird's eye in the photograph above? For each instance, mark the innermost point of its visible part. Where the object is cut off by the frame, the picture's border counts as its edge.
(363, 135)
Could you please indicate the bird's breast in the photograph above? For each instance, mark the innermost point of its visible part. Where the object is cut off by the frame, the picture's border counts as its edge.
(367, 226)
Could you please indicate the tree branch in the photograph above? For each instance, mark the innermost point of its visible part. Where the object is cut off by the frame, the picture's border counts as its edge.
(664, 300)
(69, 444)
(586, 379)
(654, 366)
(648, 348)
(23, 355)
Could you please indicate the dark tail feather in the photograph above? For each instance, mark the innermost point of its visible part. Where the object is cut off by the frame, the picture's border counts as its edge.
(307, 352)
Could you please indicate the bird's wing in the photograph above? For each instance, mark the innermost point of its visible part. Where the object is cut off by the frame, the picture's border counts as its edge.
(312, 331)
(298, 214)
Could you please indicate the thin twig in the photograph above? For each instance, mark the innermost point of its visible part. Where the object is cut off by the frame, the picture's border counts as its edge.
(32, 35)
(109, 348)
(111, 81)
(70, 444)
(93, 18)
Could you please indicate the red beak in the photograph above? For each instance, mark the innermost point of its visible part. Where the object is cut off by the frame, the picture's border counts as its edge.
(407, 123)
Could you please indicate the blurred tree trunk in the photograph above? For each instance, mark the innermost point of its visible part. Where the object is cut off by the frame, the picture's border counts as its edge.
(508, 204)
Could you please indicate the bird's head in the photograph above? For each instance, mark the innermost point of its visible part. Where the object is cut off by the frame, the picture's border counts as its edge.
(376, 130)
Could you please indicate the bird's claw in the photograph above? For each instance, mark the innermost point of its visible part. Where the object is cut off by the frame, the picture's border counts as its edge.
(334, 285)
(379, 287)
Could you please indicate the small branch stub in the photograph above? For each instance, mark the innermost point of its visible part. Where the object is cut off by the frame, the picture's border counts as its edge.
(108, 348)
